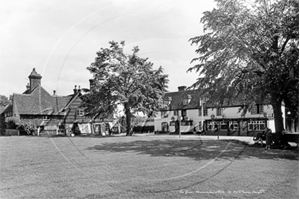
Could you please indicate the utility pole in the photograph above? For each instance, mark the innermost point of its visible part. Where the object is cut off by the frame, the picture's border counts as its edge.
(202, 112)
(179, 122)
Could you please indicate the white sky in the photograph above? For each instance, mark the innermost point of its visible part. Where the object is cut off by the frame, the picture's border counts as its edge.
(60, 38)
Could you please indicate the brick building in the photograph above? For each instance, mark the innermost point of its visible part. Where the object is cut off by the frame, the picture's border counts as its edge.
(37, 108)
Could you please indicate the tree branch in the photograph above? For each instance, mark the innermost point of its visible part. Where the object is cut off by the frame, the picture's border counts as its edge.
(284, 44)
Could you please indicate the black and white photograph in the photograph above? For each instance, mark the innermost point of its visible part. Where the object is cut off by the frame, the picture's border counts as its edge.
(149, 99)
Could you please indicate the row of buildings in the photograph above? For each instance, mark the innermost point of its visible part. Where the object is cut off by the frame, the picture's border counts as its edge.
(187, 112)
(48, 113)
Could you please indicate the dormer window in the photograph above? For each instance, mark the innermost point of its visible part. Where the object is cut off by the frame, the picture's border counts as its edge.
(168, 101)
(202, 101)
(187, 100)
(46, 118)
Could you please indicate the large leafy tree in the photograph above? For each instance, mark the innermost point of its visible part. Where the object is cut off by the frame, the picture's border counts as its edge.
(4, 101)
(250, 49)
(127, 80)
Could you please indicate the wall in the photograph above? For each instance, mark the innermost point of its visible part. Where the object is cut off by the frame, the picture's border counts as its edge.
(72, 115)
(229, 112)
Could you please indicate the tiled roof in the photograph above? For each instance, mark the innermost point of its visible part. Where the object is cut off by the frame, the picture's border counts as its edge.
(177, 100)
(2, 108)
(178, 97)
(39, 101)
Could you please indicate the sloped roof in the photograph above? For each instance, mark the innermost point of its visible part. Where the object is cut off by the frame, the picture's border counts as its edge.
(39, 101)
(178, 97)
(71, 99)
(8, 108)
(2, 108)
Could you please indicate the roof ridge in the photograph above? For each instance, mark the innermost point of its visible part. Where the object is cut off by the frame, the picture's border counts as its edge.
(61, 96)
(22, 94)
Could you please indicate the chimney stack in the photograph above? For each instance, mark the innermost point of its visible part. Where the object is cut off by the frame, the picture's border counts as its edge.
(92, 83)
(34, 79)
(181, 88)
(75, 89)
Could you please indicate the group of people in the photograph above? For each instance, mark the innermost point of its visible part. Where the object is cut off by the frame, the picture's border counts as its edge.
(267, 135)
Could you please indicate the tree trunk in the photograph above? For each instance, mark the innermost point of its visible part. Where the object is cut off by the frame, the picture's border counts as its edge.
(279, 125)
(292, 125)
(128, 119)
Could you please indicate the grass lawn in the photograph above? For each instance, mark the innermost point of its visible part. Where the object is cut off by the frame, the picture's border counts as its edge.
(144, 167)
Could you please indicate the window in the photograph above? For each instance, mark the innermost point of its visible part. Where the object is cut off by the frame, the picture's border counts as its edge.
(224, 125)
(219, 111)
(185, 101)
(8, 114)
(164, 127)
(255, 125)
(173, 123)
(233, 125)
(200, 111)
(46, 117)
(183, 113)
(164, 114)
(257, 109)
(167, 103)
(212, 125)
(175, 113)
(205, 112)
(80, 112)
(260, 109)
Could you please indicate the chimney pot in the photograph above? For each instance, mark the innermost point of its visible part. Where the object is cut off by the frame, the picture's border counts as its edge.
(75, 89)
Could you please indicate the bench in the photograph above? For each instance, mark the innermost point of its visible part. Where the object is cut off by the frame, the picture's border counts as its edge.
(292, 137)
(287, 139)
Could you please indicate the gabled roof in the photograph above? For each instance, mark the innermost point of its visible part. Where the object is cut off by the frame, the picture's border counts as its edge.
(8, 108)
(2, 108)
(71, 100)
(39, 101)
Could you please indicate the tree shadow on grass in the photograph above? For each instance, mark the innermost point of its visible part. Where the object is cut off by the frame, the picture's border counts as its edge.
(196, 149)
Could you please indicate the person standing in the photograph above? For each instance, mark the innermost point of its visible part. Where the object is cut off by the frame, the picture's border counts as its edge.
(268, 138)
